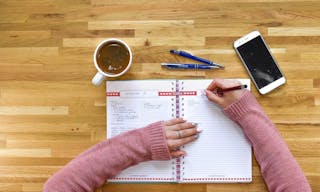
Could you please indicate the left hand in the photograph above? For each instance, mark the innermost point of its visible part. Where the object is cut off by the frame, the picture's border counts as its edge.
(178, 133)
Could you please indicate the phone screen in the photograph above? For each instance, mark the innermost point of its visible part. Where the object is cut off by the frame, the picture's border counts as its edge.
(259, 62)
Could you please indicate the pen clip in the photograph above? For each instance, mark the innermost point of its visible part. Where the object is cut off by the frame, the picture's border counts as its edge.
(195, 58)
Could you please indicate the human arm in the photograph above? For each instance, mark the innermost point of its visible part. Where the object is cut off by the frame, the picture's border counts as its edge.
(278, 167)
(157, 141)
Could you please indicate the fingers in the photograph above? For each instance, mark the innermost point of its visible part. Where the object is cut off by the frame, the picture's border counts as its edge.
(222, 83)
(176, 143)
(181, 130)
(213, 97)
(178, 134)
(181, 126)
(188, 132)
(219, 83)
(177, 153)
(216, 83)
(174, 121)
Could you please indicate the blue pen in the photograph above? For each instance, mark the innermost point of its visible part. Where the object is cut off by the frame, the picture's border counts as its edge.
(187, 66)
(188, 55)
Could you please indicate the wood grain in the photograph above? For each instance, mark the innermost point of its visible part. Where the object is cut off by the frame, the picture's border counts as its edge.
(50, 112)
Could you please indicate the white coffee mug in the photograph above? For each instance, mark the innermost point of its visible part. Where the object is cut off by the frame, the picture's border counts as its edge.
(101, 75)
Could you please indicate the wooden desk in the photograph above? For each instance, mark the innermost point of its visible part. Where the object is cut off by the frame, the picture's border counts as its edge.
(50, 112)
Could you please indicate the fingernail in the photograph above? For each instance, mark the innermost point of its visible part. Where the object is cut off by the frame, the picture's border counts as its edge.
(196, 136)
(194, 124)
(199, 130)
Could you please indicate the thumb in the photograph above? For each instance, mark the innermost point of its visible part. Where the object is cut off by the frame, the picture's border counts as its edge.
(213, 97)
(179, 153)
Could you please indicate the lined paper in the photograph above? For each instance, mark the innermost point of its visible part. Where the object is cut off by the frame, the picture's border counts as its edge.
(222, 153)
(138, 104)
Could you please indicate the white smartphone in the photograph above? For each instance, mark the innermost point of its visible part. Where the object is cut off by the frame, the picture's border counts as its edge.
(260, 64)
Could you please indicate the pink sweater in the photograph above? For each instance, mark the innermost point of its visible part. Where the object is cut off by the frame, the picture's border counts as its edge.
(106, 159)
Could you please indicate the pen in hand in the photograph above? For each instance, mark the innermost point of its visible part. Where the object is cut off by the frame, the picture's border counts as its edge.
(220, 91)
(188, 55)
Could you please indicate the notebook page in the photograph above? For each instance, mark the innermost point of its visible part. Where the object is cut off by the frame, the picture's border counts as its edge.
(135, 104)
(222, 153)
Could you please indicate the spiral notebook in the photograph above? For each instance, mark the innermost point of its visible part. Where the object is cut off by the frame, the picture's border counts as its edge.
(221, 153)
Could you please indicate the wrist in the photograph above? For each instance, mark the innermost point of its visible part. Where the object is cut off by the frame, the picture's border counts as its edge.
(240, 107)
(155, 140)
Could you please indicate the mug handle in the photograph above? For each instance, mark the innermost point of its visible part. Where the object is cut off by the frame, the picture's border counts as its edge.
(98, 79)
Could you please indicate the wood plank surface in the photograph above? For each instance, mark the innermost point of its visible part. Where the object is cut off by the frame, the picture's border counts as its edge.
(50, 111)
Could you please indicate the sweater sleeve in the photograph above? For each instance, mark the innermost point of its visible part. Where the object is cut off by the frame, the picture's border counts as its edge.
(106, 159)
(279, 169)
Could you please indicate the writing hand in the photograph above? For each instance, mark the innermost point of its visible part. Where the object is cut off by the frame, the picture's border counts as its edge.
(178, 133)
(228, 97)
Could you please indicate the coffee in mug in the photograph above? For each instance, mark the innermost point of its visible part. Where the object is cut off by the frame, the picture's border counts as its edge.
(112, 58)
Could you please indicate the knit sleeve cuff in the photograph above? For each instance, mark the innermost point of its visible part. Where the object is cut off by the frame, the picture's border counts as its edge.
(242, 106)
(155, 137)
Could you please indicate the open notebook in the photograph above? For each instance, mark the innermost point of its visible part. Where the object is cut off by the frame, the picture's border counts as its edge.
(221, 154)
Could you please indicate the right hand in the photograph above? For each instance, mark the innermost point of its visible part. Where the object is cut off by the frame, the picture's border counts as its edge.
(228, 97)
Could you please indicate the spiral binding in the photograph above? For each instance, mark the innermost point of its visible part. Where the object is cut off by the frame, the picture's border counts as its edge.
(177, 116)
(182, 160)
(173, 115)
